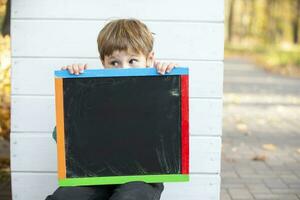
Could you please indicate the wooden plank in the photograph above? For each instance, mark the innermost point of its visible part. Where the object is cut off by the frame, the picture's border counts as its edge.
(33, 186)
(201, 186)
(33, 152)
(37, 114)
(37, 152)
(206, 78)
(206, 116)
(33, 114)
(193, 10)
(77, 39)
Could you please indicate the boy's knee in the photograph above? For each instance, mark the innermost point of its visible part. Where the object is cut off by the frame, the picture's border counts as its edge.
(78, 193)
(137, 191)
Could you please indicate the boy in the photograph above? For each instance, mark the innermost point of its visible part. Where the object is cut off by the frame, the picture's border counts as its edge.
(124, 43)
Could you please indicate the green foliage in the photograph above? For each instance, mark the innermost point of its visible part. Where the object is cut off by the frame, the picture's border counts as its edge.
(283, 60)
(268, 31)
(263, 21)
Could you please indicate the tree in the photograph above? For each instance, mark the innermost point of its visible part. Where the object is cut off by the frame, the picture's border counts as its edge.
(270, 36)
(6, 24)
(295, 22)
(252, 16)
(230, 20)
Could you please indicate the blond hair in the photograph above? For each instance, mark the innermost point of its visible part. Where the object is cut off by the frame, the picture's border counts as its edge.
(124, 34)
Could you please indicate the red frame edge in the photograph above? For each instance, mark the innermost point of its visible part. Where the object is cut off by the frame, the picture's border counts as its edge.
(184, 124)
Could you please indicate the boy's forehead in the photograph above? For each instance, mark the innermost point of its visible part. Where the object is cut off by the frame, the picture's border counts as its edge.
(118, 53)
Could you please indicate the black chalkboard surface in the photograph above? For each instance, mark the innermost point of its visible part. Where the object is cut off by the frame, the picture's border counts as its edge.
(121, 128)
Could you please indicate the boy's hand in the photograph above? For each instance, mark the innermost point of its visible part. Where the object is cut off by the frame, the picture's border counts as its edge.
(163, 68)
(75, 68)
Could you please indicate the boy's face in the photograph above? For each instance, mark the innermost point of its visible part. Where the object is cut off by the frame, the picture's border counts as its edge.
(127, 59)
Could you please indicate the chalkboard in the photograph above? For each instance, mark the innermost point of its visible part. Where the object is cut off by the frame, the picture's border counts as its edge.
(121, 125)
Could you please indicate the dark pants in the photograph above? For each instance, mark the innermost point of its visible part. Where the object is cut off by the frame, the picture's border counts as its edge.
(128, 191)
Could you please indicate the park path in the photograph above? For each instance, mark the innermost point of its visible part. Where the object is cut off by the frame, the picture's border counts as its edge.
(261, 134)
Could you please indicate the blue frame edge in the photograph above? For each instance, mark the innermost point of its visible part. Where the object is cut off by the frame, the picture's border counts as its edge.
(120, 72)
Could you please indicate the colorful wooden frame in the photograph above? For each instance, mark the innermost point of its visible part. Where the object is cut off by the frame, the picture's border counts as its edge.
(59, 99)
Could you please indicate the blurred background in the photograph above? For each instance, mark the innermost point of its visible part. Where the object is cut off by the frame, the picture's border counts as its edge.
(266, 31)
(5, 64)
(261, 117)
(261, 107)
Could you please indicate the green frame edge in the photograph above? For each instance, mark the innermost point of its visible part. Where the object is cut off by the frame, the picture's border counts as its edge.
(107, 180)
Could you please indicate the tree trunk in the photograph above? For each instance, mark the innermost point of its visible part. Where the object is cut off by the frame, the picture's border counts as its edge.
(270, 36)
(230, 20)
(6, 24)
(252, 16)
(295, 23)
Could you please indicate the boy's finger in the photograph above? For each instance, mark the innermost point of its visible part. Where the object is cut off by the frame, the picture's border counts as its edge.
(85, 66)
(81, 68)
(63, 67)
(75, 68)
(159, 68)
(70, 69)
(164, 68)
(170, 67)
(155, 65)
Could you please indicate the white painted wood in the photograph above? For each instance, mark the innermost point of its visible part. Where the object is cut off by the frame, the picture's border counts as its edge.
(38, 147)
(206, 116)
(37, 114)
(32, 114)
(192, 10)
(60, 38)
(33, 186)
(204, 153)
(206, 187)
(206, 77)
(36, 186)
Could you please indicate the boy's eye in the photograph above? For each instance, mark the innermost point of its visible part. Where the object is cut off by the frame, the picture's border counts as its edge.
(132, 61)
(114, 63)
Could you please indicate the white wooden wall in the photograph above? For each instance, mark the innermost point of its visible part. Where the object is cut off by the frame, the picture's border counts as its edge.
(47, 34)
